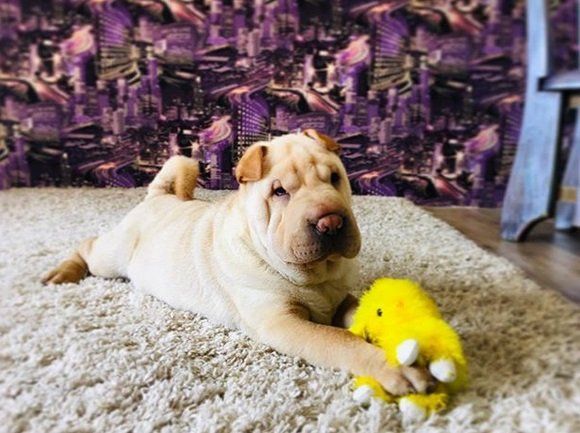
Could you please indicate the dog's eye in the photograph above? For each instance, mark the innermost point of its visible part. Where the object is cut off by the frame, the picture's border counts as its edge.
(379, 312)
(279, 192)
(334, 178)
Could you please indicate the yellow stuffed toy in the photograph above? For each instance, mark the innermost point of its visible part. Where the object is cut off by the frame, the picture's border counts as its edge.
(399, 317)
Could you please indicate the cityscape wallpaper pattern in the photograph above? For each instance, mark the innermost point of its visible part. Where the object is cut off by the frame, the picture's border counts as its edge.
(425, 96)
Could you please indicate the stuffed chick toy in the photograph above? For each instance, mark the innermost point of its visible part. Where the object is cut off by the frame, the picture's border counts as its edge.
(401, 318)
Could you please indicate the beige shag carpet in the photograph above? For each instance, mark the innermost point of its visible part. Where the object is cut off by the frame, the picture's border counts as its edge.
(99, 357)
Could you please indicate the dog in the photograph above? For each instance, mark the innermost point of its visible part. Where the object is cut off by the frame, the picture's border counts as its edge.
(276, 258)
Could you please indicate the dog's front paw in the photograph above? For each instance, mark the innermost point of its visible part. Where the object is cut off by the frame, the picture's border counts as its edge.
(418, 377)
(403, 380)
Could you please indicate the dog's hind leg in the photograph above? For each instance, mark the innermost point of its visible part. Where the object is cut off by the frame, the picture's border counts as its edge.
(73, 269)
(178, 176)
(109, 254)
(105, 256)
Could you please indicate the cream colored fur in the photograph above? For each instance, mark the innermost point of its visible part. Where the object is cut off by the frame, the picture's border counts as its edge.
(251, 261)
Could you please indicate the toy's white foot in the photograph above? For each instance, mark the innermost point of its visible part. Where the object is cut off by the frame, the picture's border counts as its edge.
(411, 413)
(443, 370)
(363, 394)
(407, 352)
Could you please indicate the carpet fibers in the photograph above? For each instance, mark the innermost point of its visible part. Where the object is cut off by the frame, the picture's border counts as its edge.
(100, 357)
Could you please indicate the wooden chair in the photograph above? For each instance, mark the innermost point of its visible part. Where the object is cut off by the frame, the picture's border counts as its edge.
(533, 192)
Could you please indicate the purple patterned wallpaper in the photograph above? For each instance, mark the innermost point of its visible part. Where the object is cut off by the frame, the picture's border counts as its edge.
(425, 96)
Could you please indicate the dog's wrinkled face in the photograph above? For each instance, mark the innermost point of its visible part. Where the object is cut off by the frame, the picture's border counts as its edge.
(299, 199)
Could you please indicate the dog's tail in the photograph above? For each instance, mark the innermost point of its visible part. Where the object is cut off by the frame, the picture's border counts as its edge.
(177, 176)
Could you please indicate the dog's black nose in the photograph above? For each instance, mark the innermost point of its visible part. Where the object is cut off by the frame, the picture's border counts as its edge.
(329, 224)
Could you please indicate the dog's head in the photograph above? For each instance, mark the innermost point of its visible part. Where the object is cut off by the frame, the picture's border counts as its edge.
(298, 199)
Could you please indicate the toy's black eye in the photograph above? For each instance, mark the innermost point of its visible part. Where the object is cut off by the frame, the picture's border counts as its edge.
(334, 178)
(379, 312)
(279, 192)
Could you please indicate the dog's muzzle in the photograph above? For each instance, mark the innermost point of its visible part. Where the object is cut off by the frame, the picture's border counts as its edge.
(331, 234)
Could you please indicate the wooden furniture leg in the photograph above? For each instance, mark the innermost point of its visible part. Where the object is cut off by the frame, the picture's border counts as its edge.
(530, 193)
(568, 197)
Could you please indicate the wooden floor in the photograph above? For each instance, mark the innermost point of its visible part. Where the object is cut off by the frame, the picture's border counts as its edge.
(552, 258)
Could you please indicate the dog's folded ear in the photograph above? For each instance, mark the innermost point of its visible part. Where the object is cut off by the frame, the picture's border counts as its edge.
(323, 139)
(251, 166)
